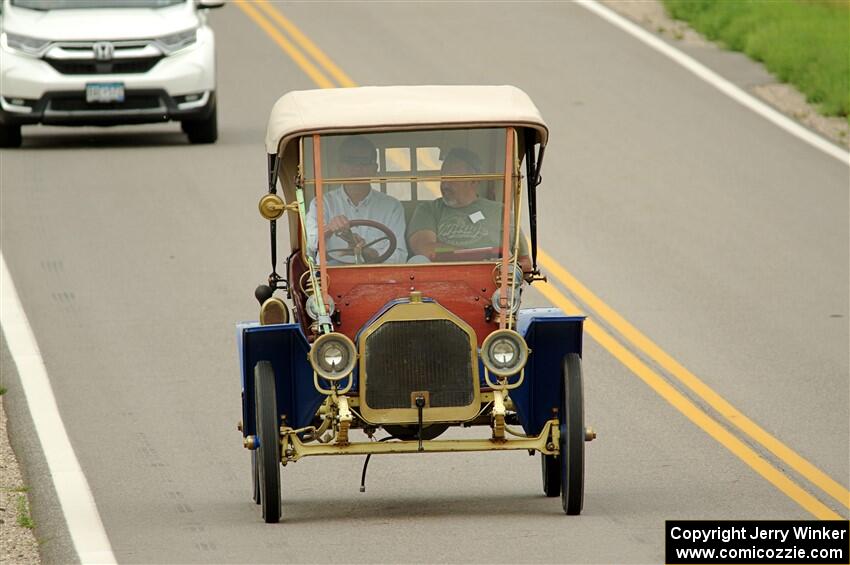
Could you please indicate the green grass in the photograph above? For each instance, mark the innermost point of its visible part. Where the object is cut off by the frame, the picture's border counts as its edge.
(24, 518)
(2, 390)
(802, 42)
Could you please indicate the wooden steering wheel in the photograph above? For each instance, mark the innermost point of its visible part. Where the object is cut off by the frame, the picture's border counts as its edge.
(338, 253)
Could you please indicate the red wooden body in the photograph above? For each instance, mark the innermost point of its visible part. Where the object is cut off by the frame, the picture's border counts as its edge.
(360, 292)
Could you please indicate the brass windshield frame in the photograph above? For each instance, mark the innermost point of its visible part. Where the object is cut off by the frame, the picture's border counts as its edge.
(407, 178)
(511, 176)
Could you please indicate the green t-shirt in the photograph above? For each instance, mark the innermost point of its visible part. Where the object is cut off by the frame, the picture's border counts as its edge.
(478, 224)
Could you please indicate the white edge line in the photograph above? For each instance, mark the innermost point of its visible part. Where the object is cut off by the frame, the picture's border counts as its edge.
(72, 488)
(717, 81)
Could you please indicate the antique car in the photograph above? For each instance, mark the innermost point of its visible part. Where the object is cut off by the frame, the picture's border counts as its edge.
(398, 316)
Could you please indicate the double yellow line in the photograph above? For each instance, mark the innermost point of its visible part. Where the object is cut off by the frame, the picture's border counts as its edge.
(325, 74)
(255, 11)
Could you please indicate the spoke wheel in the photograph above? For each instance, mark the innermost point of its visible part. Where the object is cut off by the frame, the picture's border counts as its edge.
(571, 416)
(268, 433)
(551, 465)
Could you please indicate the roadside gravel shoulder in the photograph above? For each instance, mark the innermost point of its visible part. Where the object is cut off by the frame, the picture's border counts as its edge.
(784, 97)
(17, 543)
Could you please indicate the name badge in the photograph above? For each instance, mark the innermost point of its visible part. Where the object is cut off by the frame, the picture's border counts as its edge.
(476, 217)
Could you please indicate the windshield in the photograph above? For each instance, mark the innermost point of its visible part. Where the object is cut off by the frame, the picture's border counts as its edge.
(85, 4)
(407, 197)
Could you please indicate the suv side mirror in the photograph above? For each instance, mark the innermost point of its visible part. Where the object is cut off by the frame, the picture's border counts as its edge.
(208, 4)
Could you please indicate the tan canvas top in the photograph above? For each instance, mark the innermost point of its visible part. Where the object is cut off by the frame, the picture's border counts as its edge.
(379, 108)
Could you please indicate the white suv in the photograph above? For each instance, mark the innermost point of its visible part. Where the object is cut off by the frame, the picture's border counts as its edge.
(107, 62)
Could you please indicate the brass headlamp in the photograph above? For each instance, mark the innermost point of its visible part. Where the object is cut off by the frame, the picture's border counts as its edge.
(504, 352)
(333, 356)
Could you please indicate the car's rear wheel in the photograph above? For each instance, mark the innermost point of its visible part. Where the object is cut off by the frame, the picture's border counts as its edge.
(551, 465)
(571, 416)
(10, 135)
(202, 131)
(268, 433)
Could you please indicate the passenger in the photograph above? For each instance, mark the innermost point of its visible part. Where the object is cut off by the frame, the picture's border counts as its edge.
(357, 158)
(459, 219)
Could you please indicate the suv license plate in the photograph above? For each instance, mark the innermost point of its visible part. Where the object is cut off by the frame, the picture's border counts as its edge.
(105, 92)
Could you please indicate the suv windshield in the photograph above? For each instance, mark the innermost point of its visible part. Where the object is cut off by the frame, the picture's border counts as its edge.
(85, 4)
(440, 193)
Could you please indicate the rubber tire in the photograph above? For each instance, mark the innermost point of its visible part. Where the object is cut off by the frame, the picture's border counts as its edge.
(202, 131)
(551, 465)
(10, 136)
(268, 433)
(571, 415)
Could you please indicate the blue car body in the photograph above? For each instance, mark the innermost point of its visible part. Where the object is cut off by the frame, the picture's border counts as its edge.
(549, 334)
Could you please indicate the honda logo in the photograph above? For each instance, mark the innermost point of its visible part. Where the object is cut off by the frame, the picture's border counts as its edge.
(103, 50)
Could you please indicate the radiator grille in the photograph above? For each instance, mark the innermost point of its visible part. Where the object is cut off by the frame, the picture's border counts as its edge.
(422, 355)
(117, 66)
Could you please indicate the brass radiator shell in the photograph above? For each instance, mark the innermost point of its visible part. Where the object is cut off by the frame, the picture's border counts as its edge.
(418, 349)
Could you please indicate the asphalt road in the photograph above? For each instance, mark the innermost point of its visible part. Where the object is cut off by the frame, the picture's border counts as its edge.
(721, 237)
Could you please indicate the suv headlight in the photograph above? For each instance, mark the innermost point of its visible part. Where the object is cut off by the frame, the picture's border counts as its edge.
(333, 356)
(177, 41)
(25, 44)
(504, 352)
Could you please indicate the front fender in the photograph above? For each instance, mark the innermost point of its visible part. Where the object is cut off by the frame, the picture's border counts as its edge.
(550, 335)
(286, 347)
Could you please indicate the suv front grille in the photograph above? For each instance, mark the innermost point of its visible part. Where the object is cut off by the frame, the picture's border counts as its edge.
(90, 67)
(403, 357)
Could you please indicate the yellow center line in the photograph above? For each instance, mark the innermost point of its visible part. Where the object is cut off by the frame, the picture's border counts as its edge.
(629, 333)
(314, 73)
(311, 48)
(732, 414)
(692, 412)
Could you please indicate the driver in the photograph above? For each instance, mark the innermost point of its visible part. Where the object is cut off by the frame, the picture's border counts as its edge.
(460, 219)
(357, 158)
